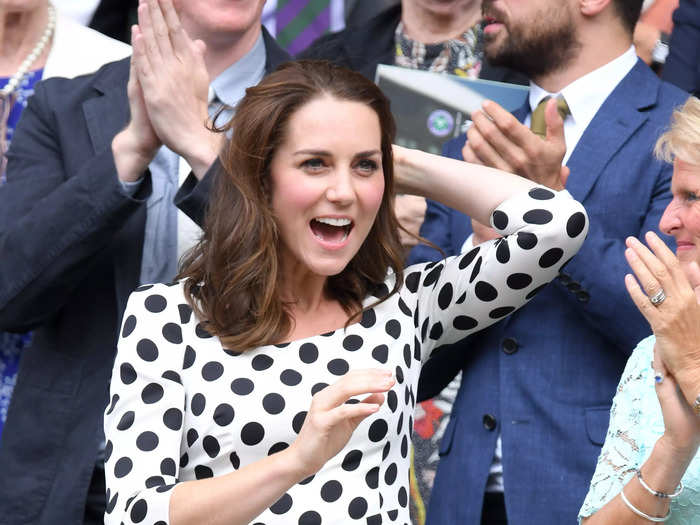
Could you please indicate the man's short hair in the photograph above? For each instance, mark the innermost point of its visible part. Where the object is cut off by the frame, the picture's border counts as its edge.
(629, 11)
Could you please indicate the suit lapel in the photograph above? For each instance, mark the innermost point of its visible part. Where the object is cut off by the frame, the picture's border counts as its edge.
(620, 116)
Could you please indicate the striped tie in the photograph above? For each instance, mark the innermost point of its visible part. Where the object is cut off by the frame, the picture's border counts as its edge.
(300, 22)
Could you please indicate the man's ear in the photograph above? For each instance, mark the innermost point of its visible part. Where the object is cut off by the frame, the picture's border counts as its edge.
(590, 8)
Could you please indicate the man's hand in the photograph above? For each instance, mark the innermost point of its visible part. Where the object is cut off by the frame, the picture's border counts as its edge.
(496, 139)
(175, 83)
(410, 211)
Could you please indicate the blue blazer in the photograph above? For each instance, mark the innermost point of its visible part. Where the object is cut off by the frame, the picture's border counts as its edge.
(545, 376)
(682, 66)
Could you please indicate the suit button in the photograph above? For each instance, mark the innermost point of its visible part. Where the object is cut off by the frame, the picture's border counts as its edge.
(583, 296)
(573, 287)
(510, 346)
(489, 422)
(564, 278)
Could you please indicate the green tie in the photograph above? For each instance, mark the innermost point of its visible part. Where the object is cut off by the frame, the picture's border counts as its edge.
(537, 124)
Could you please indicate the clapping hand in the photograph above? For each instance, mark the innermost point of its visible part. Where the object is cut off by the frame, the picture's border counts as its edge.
(496, 139)
(330, 422)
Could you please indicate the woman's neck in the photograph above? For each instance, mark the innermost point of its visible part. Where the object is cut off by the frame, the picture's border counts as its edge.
(432, 25)
(19, 34)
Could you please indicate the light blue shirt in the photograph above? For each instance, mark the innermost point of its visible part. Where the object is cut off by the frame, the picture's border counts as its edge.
(159, 260)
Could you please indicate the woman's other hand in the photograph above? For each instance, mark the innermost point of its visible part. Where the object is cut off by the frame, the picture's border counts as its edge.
(331, 420)
(676, 320)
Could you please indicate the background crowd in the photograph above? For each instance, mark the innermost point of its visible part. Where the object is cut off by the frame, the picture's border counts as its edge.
(104, 185)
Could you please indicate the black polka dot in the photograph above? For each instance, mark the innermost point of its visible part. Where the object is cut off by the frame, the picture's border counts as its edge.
(338, 367)
(433, 275)
(172, 418)
(352, 460)
(318, 387)
(185, 311)
(380, 291)
(436, 331)
(192, 436)
(407, 355)
(168, 467)
(152, 393)
(223, 414)
(308, 480)
(190, 356)
(252, 433)
(527, 240)
(357, 508)
(352, 343)
(242, 386)
(261, 362)
(147, 350)
(551, 257)
(201, 332)
(368, 318)
(109, 447)
(381, 353)
(464, 322)
(147, 441)
(144, 287)
(393, 514)
(277, 447)
(403, 497)
(392, 400)
(122, 467)
(538, 216)
(273, 403)
(290, 377)
(155, 303)
(298, 421)
(310, 517)
(404, 308)
(502, 251)
(497, 313)
(377, 430)
(575, 224)
(235, 460)
(112, 403)
(172, 333)
(399, 424)
(372, 478)
(534, 292)
(404, 447)
(500, 219)
(127, 373)
(308, 353)
(282, 505)
(485, 291)
(126, 420)
(412, 281)
(518, 281)
(203, 472)
(445, 296)
(154, 481)
(541, 194)
(390, 474)
(393, 328)
(164, 488)
(211, 446)
(212, 371)
(467, 259)
(331, 491)
(129, 325)
(462, 298)
(475, 270)
(184, 460)
(111, 503)
(197, 404)
(138, 511)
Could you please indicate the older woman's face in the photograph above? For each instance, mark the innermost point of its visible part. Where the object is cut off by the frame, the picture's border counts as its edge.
(17, 6)
(682, 216)
(327, 184)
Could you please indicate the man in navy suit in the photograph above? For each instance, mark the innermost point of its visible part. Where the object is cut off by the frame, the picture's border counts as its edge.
(89, 212)
(682, 66)
(532, 410)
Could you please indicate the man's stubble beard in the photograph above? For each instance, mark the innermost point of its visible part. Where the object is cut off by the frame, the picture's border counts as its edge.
(538, 47)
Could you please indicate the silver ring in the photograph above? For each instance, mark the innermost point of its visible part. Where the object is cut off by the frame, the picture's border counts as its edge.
(658, 298)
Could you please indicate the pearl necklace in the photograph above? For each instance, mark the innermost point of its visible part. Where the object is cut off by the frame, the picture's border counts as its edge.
(14, 81)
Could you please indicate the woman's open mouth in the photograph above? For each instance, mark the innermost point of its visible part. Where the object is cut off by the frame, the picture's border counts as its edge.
(331, 230)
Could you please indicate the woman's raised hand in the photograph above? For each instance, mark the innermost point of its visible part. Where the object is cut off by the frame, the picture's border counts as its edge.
(675, 320)
(331, 420)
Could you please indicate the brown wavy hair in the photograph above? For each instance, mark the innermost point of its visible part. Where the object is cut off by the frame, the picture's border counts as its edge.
(233, 274)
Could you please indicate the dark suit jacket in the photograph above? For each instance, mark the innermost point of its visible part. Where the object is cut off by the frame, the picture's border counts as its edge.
(682, 66)
(545, 376)
(114, 18)
(362, 47)
(71, 242)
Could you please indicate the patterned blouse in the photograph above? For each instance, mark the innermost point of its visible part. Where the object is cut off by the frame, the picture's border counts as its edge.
(636, 424)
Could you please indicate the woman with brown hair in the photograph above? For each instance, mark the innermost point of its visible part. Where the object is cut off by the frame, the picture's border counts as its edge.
(275, 383)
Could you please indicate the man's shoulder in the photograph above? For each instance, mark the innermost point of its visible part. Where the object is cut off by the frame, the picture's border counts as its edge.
(113, 75)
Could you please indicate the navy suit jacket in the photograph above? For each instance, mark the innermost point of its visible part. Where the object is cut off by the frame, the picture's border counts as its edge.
(545, 376)
(71, 243)
(682, 66)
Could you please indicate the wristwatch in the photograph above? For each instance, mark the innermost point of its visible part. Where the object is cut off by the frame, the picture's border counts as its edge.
(696, 405)
(660, 51)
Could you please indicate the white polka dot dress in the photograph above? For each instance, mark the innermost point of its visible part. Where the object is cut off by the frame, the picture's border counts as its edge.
(184, 408)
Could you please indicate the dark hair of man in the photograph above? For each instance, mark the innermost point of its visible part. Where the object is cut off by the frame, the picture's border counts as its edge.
(233, 274)
(629, 11)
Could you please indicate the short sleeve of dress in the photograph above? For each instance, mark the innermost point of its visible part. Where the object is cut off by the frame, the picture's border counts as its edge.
(542, 229)
(632, 409)
(143, 421)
